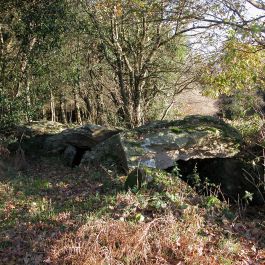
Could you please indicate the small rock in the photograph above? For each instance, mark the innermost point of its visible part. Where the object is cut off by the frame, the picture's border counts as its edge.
(136, 178)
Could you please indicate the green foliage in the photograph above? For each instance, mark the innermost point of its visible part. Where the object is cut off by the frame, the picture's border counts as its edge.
(237, 75)
(158, 202)
(239, 68)
(176, 170)
(212, 202)
(194, 179)
(249, 126)
(32, 31)
(13, 113)
(139, 217)
(228, 213)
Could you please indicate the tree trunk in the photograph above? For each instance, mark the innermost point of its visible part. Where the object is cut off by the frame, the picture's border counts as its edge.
(62, 109)
(127, 104)
(53, 111)
(138, 97)
(28, 100)
(100, 106)
(24, 65)
(89, 108)
(137, 115)
(44, 114)
(77, 107)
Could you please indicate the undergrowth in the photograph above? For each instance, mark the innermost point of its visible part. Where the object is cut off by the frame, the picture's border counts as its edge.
(51, 214)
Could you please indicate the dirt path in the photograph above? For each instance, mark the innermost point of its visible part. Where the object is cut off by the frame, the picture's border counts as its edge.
(192, 102)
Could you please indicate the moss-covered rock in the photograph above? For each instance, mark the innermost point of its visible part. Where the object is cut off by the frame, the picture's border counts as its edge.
(135, 179)
(155, 179)
(85, 137)
(161, 144)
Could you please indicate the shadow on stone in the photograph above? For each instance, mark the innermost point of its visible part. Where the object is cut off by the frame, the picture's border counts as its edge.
(79, 155)
(234, 176)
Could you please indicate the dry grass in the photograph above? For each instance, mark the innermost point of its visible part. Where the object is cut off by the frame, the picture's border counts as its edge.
(117, 242)
(164, 240)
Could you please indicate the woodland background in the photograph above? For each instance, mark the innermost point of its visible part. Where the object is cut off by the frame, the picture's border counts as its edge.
(123, 63)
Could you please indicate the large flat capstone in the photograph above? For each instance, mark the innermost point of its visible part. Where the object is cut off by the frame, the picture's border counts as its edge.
(161, 144)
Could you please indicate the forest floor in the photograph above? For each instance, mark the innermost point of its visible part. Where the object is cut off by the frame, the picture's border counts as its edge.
(52, 214)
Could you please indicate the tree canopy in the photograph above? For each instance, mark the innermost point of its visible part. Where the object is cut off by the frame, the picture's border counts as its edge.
(121, 62)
